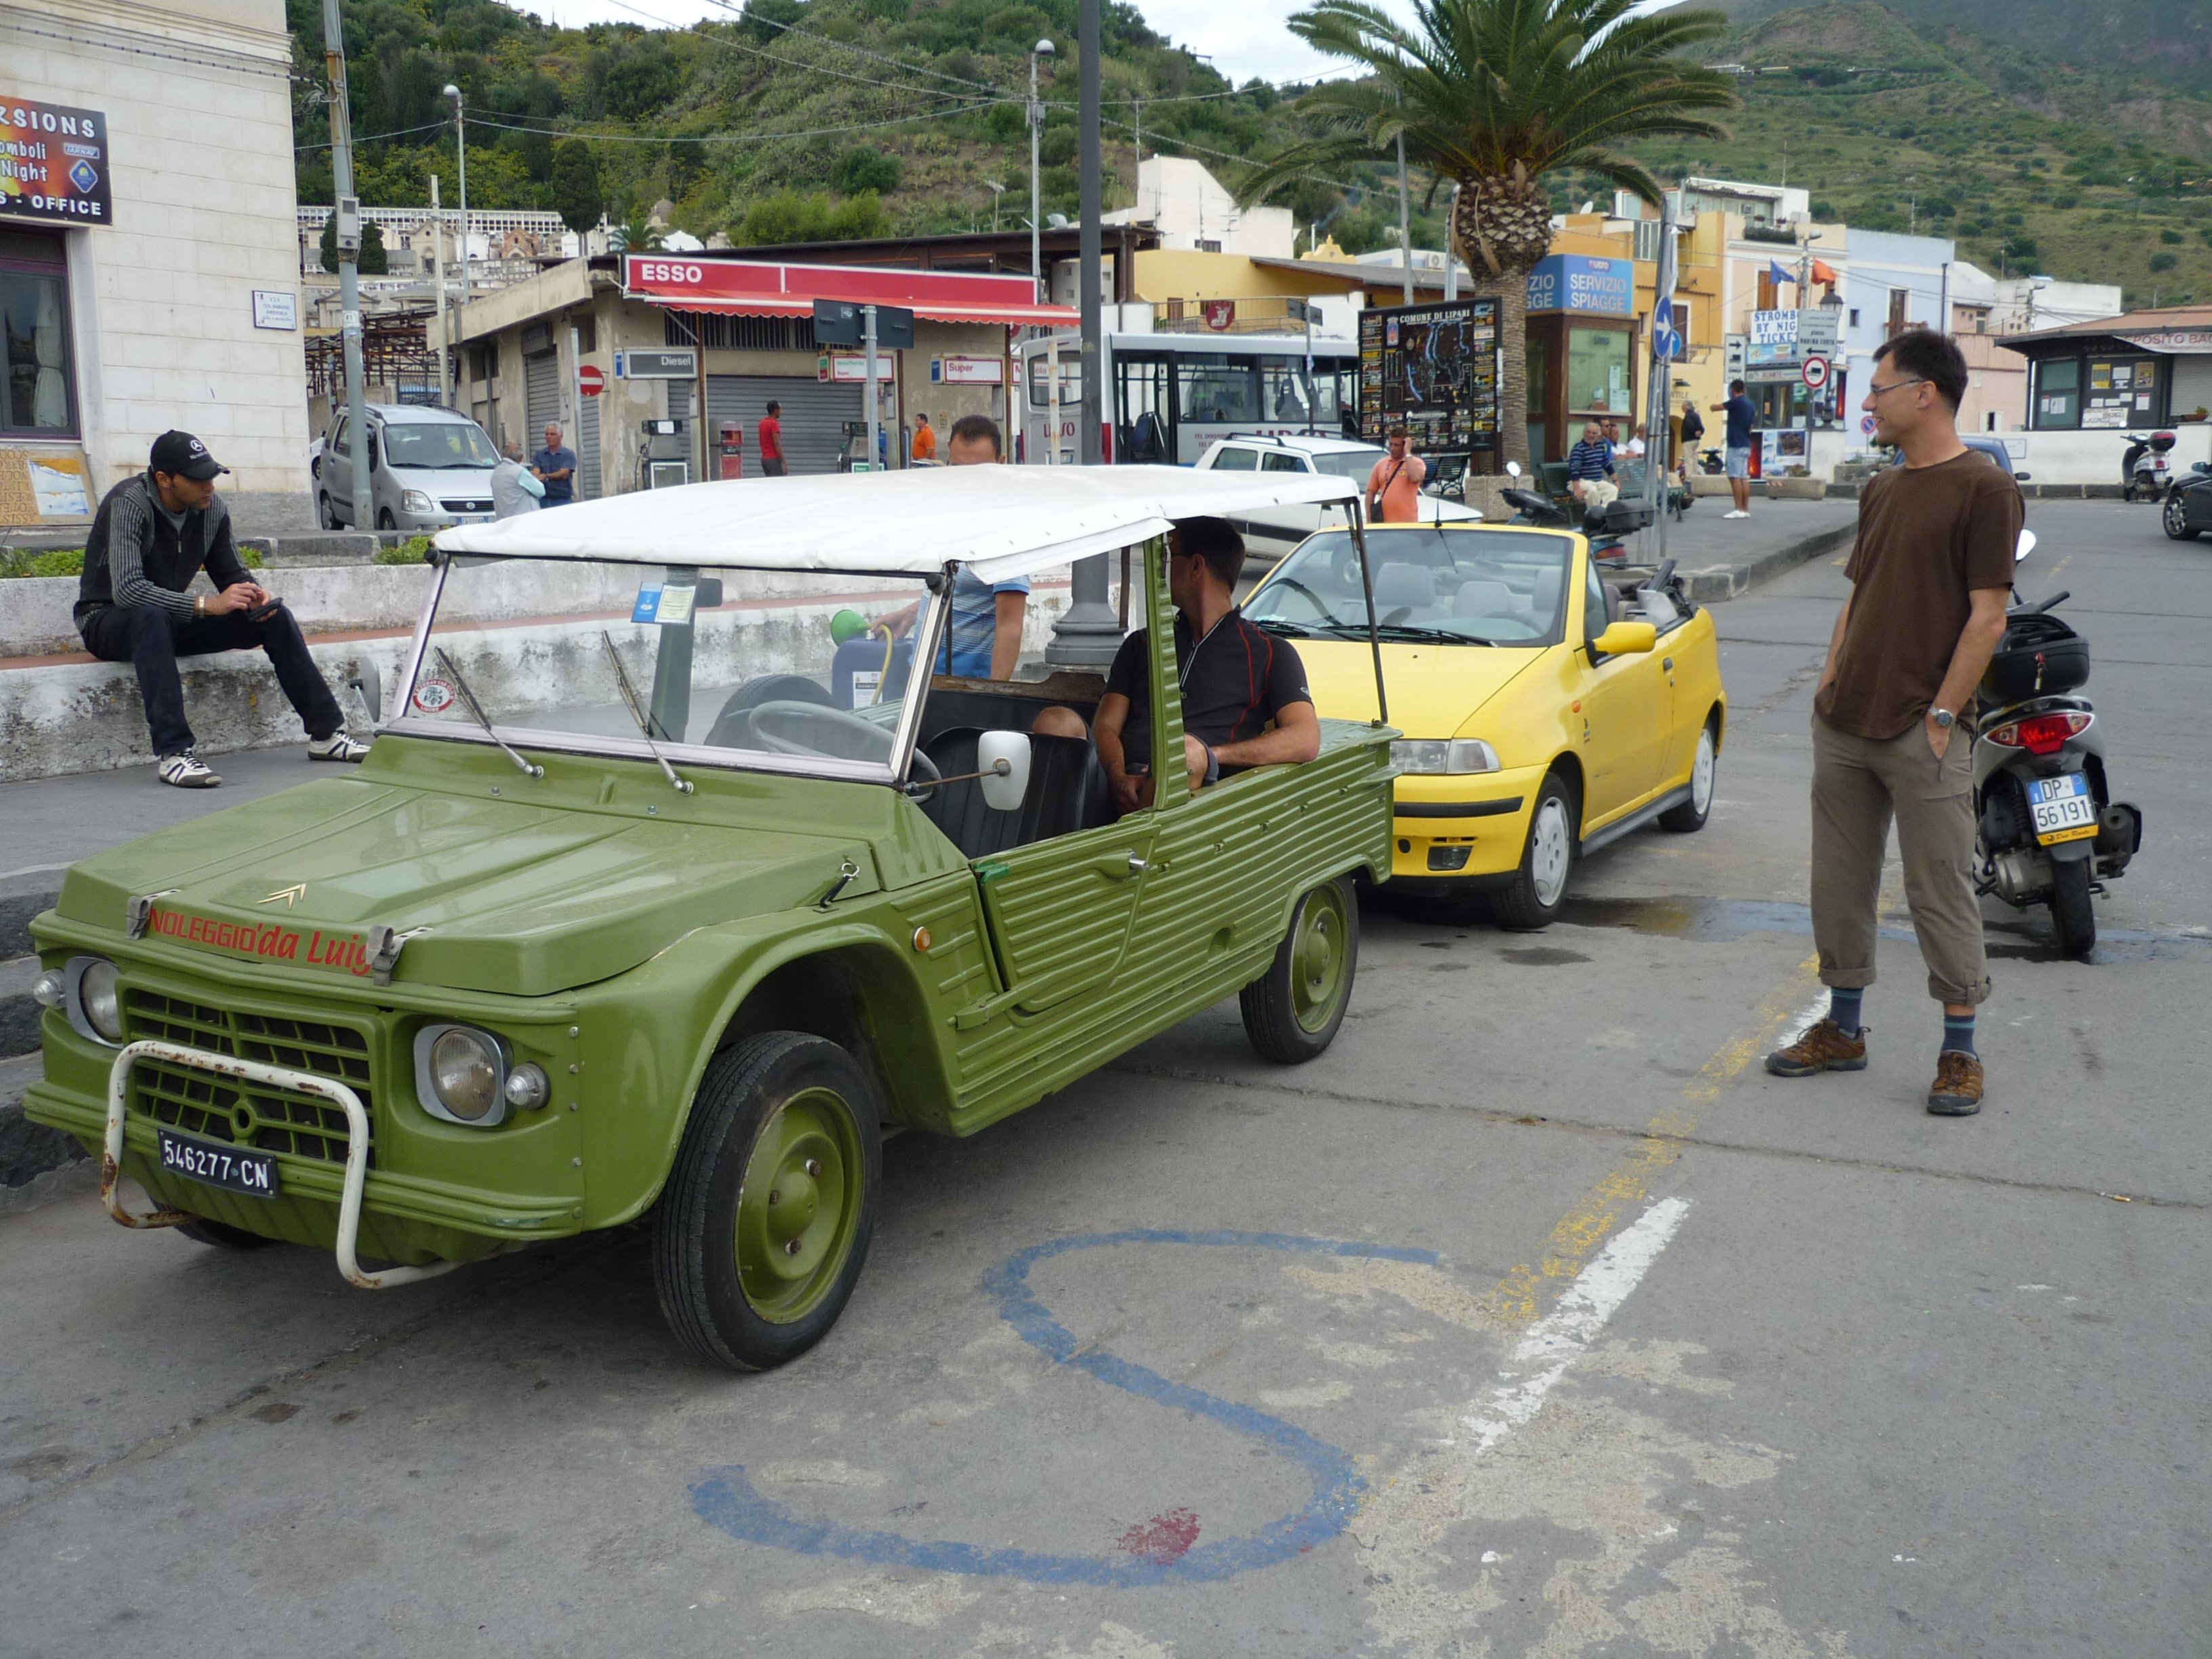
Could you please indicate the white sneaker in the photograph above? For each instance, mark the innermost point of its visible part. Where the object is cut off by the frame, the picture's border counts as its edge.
(186, 771)
(1737, 514)
(336, 747)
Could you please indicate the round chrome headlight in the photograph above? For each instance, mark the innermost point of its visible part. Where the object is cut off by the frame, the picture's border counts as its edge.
(527, 1087)
(100, 994)
(465, 1073)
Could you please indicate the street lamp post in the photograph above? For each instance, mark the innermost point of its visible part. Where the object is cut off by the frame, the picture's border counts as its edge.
(1041, 49)
(997, 194)
(1089, 633)
(461, 149)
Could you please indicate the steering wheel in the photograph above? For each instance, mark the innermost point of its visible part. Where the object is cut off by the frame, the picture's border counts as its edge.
(791, 727)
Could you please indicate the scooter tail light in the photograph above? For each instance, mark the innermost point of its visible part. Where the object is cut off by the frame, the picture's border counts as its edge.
(2043, 734)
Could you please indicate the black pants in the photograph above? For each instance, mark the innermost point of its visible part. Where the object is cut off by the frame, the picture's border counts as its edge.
(152, 639)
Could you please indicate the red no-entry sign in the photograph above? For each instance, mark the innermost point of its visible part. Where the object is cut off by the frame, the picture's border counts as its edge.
(590, 381)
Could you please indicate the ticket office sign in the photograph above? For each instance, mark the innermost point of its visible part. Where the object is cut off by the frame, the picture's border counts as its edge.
(53, 163)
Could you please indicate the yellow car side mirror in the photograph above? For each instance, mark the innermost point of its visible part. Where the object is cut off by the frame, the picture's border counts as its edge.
(1623, 639)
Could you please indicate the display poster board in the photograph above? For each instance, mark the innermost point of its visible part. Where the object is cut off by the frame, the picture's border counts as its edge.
(53, 163)
(1435, 368)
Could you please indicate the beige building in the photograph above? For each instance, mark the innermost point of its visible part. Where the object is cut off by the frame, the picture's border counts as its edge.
(130, 303)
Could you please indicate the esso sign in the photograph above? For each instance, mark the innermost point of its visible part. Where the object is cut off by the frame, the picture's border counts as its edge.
(675, 272)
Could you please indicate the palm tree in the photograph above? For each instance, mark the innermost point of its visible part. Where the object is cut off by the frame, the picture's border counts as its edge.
(1491, 95)
(636, 234)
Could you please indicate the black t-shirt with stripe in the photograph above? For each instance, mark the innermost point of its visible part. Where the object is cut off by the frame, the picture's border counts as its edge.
(1234, 680)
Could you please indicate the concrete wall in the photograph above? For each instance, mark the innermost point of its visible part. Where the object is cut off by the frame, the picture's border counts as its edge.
(2093, 458)
(201, 157)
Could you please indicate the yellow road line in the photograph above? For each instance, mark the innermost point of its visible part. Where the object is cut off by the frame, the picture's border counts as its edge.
(1627, 1184)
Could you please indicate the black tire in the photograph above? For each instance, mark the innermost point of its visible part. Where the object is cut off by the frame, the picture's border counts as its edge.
(1291, 1013)
(1539, 889)
(326, 514)
(2072, 918)
(2173, 517)
(726, 1287)
(1690, 817)
(385, 521)
(223, 1236)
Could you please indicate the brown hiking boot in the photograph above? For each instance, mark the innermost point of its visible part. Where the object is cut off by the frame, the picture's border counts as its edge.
(1958, 1090)
(1823, 1048)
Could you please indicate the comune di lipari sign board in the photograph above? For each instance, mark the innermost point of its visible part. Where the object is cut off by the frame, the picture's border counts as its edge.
(1433, 367)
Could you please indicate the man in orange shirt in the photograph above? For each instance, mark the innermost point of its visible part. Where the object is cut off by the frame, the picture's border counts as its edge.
(924, 438)
(1394, 488)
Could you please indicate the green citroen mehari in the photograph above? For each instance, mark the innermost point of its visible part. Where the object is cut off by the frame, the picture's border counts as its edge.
(672, 880)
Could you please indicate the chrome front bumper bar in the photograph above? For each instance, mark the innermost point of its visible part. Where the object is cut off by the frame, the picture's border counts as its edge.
(274, 1077)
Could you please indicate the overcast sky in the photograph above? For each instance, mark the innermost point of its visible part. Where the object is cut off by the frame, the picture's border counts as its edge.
(1244, 38)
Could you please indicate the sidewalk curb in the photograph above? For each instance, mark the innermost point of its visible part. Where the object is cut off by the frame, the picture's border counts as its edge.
(1717, 582)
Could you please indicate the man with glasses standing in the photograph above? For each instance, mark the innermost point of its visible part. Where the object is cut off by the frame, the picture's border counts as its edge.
(1892, 716)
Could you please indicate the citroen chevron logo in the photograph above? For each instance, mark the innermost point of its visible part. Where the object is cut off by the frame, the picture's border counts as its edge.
(289, 895)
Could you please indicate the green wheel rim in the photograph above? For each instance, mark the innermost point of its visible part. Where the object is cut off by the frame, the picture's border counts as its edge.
(1321, 938)
(798, 1206)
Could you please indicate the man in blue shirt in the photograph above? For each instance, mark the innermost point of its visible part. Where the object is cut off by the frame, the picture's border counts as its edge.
(1590, 478)
(555, 468)
(1741, 414)
(984, 640)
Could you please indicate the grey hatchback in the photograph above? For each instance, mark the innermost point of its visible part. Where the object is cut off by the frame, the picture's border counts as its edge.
(427, 468)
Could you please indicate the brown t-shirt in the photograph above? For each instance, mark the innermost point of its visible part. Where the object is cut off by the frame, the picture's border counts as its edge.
(1928, 536)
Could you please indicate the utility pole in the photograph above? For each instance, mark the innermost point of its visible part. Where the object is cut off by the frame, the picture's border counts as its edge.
(461, 149)
(438, 277)
(347, 237)
(868, 320)
(1658, 390)
(1042, 49)
(1089, 632)
(1405, 219)
(1451, 256)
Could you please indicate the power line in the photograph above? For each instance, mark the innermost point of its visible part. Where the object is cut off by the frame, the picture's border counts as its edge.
(373, 137)
(794, 62)
(238, 64)
(723, 138)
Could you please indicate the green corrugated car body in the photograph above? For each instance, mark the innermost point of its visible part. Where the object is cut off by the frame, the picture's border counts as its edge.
(618, 934)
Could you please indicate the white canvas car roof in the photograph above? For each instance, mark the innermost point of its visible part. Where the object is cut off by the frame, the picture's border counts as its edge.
(1005, 521)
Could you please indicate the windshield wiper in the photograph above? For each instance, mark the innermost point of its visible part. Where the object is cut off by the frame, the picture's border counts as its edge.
(683, 786)
(1437, 635)
(1297, 630)
(476, 708)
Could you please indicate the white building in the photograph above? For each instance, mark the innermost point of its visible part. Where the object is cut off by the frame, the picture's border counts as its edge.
(1194, 214)
(2022, 305)
(147, 273)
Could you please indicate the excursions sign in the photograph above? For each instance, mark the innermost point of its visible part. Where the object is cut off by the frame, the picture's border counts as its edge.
(270, 941)
(53, 163)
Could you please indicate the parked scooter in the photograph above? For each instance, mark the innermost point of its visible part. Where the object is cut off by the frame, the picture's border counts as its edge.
(1608, 527)
(1712, 461)
(2145, 473)
(2047, 829)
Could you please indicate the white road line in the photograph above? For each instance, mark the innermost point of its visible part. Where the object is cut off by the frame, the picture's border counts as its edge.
(1806, 1019)
(1562, 1335)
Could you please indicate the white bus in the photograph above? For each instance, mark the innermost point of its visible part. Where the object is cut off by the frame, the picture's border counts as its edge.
(1172, 394)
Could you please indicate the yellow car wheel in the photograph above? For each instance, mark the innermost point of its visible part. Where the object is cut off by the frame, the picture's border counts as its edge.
(1538, 891)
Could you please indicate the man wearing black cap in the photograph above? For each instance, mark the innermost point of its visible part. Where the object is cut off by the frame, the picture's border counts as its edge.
(153, 534)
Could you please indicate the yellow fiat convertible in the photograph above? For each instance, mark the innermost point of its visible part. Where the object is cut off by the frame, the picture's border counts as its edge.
(1552, 704)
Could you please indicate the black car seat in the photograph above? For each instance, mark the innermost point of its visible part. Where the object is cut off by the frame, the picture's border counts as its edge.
(1068, 792)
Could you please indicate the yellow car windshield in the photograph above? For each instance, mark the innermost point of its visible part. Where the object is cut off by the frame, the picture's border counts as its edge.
(1451, 584)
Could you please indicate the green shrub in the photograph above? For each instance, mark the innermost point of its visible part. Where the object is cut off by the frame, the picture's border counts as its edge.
(69, 561)
(2171, 238)
(2163, 262)
(410, 551)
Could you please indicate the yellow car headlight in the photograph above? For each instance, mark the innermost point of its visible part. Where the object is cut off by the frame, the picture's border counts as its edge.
(1436, 756)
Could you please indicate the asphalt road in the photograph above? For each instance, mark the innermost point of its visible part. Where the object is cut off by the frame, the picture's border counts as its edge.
(1532, 1319)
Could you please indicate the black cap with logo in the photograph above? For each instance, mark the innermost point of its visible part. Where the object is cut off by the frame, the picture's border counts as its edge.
(181, 455)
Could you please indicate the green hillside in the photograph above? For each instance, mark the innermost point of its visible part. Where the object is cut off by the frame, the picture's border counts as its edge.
(801, 119)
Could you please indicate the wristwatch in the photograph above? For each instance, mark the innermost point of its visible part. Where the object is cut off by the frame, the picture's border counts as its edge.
(1212, 764)
(1944, 718)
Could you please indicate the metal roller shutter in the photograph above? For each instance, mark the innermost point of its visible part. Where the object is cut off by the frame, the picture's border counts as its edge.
(541, 381)
(587, 449)
(814, 415)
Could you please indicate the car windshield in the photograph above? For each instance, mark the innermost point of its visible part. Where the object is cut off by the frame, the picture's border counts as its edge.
(438, 444)
(1501, 587)
(766, 670)
(1354, 464)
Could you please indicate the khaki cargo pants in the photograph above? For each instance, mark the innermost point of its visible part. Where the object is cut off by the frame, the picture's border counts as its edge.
(1859, 785)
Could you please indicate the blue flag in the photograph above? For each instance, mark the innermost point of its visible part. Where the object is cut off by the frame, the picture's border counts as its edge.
(1779, 273)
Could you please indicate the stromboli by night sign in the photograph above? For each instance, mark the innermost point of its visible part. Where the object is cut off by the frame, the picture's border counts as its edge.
(53, 163)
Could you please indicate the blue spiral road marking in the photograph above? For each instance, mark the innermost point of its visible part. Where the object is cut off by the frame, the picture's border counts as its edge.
(726, 1498)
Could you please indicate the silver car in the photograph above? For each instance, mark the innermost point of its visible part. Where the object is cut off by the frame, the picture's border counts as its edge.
(427, 468)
